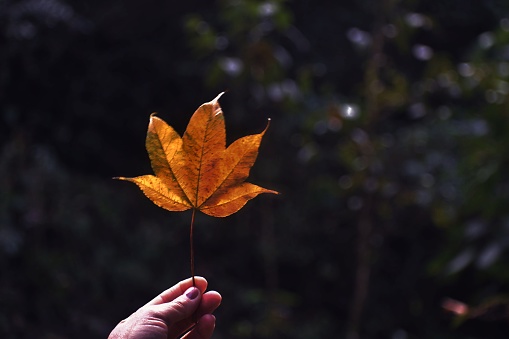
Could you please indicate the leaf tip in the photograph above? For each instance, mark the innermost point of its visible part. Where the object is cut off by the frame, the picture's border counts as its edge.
(153, 117)
(214, 101)
(216, 107)
(266, 127)
(273, 192)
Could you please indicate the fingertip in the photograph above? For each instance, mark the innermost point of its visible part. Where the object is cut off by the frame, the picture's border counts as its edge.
(212, 298)
(206, 325)
(199, 282)
(179, 289)
(204, 328)
(208, 319)
(217, 295)
(192, 293)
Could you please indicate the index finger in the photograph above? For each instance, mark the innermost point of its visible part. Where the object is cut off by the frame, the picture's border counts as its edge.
(179, 289)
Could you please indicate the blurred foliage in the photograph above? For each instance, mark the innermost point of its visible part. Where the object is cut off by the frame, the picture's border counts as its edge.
(388, 142)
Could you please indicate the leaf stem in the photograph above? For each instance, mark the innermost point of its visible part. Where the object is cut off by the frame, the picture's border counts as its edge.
(191, 245)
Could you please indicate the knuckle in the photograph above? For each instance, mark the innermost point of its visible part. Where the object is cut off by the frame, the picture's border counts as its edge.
(179, 307)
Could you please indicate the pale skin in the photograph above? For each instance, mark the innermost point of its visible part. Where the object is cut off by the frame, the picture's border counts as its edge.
(182, 311)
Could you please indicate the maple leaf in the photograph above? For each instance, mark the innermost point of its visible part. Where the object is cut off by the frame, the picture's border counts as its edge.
(197, 171)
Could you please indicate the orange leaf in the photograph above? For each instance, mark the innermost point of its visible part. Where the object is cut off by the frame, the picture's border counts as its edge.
(198, 171)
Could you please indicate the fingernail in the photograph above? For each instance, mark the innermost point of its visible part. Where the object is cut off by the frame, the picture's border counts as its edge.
(192, 292)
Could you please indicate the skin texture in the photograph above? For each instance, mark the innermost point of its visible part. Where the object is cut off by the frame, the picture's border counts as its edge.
(182, 311)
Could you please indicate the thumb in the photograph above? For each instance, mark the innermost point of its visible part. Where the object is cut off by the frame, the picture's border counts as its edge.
(180, 308)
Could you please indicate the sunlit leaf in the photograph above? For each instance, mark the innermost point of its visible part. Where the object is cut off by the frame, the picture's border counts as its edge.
(198, 171)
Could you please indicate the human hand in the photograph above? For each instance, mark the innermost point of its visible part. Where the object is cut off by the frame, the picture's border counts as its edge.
(172, 313)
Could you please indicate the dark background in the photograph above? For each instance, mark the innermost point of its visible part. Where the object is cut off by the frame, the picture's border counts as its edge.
(388, 142)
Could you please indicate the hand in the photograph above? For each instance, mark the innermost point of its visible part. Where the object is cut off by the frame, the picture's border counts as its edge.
(172, 313)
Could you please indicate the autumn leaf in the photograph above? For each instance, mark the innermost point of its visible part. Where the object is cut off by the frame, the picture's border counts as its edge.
(197, 171)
